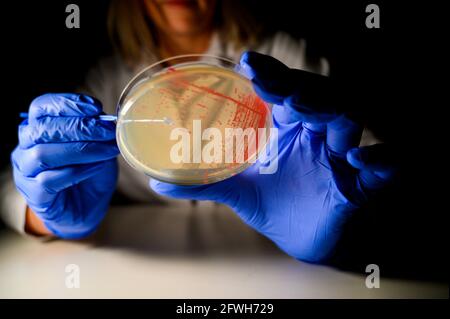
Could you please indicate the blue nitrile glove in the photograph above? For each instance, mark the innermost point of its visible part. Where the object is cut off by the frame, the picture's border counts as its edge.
(321, 178)
(65, 164)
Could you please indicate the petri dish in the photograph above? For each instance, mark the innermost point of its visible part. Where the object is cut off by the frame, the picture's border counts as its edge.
(192, 120)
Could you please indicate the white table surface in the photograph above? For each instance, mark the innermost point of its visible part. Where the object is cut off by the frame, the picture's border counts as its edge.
(179, 251)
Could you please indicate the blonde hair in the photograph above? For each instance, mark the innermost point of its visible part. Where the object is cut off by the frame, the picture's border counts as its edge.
(133, 34)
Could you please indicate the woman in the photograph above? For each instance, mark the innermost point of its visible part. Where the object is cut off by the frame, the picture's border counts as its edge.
(143, 33)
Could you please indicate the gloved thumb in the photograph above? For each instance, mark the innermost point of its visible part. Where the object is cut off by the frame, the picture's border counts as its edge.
(376, 164)
(220, 192)
(235, 192)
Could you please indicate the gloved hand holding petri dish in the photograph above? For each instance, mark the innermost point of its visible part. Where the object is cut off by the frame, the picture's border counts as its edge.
(192, 119)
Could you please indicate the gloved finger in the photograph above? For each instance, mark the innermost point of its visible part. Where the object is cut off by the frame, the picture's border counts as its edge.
(65, 105)
(269, 76)
(283, 115)
(313, 128)
(65, 129)
(59, 179)
(311, 113)
(235, 192)
(310, 95)
(313, 96)
(376, 163)
(219, 192)
(342, 135)
(42, 189)
(43, 157)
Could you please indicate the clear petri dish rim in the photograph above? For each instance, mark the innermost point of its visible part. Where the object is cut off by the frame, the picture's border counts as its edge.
(178, 61)
(208, 59)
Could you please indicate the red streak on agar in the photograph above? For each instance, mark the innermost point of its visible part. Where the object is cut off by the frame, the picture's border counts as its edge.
(210, 91)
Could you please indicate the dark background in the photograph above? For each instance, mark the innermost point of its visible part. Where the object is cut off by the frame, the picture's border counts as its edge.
(42, 55)
(384, 71)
